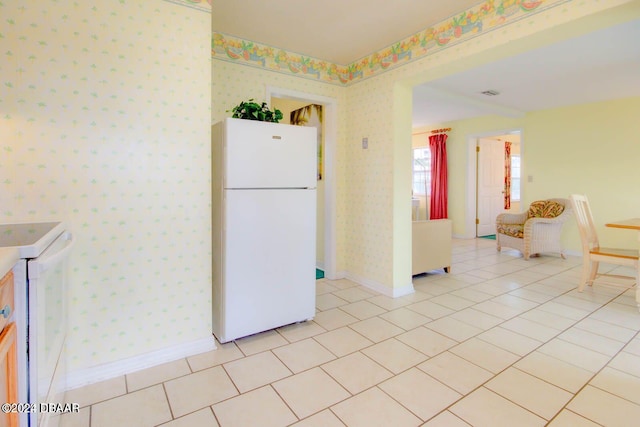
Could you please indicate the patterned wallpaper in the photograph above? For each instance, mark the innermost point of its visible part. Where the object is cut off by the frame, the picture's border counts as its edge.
(105, 113)
(203, 5)
(105, 124)
(367, 181)
(371, 177)
(486, 16)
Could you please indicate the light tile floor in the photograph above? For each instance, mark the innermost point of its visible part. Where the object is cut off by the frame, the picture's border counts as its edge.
(498, 342)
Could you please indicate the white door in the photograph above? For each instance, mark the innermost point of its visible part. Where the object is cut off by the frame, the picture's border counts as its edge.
(490, 185)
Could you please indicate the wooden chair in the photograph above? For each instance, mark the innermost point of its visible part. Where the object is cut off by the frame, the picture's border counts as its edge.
(593, 254)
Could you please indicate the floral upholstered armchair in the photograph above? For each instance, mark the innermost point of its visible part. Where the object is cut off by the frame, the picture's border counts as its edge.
(535, 231)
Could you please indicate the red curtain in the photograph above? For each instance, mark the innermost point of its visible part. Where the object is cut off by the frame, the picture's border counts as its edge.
(507, 175)
(438, 148)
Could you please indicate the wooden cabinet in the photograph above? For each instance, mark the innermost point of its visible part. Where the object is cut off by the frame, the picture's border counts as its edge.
(8, 354)
(6, 299)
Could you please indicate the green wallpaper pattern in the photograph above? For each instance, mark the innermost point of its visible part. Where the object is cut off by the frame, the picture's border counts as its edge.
(105, 124)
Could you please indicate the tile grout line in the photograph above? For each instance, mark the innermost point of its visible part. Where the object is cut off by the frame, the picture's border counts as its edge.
(166, 396)
(560, 275)
(588, 383)
(509, 366)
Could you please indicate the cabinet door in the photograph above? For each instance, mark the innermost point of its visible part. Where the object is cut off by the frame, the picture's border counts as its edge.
(6, 299)
(8, 373)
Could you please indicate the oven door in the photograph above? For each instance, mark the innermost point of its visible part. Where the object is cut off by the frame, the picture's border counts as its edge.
(47, 313)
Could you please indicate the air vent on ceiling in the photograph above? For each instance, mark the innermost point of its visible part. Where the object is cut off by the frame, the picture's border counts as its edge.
(490, 92)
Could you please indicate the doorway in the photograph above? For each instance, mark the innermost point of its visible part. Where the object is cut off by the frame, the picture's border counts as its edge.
(326, 252)
(487, 179)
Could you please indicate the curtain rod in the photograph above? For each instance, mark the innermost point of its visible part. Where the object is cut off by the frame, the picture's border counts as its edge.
(443, 130)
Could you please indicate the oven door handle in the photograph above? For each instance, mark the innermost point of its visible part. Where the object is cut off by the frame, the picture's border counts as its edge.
(44, 263)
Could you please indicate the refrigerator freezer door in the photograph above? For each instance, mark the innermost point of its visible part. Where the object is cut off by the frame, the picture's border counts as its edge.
(269, 261)
(269, 155)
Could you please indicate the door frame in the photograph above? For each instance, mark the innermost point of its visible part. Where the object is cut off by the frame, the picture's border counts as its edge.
(472, 175)
(330, 116)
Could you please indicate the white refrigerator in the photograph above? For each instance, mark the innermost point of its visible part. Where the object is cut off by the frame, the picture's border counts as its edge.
(264, 226)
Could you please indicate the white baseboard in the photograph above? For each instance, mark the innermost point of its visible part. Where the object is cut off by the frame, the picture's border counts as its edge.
(462, 237)
(573, 253)
(339, 275)
(381, 288)
(83, 377)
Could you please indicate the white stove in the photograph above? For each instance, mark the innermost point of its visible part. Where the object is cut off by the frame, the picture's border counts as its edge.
(31, 238)
(41, 312)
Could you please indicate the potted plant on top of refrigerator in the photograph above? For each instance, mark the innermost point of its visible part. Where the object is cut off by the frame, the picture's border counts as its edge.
(250, 110)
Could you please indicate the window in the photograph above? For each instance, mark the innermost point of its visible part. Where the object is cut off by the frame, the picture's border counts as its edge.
(515, 177)
(421, 171)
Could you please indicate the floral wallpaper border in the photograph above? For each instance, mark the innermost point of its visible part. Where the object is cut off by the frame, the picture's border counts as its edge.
(487, 16)
(204, 5)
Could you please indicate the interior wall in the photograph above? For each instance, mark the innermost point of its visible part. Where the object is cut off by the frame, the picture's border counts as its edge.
(370, 189)
(374, 182)
(588, 149)
(379, 240)
(105, 124)
(401, 225)
(420, 139)
(567, 150)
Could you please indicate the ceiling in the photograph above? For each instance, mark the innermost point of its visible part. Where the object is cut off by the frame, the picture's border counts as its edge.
(339, 31)
(599, 66)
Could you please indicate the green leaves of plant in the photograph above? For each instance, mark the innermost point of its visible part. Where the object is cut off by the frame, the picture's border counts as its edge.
(251, 110)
